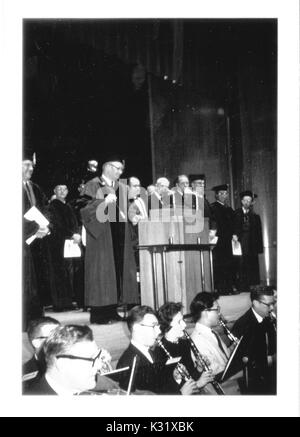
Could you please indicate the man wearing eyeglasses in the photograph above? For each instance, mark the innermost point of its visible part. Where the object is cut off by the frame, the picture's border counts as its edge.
(38, 331)
(151, 373)
(258, 347)
(72, 359)
(110, 270)
(205, 311)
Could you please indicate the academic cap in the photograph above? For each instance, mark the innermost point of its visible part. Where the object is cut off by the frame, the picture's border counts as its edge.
(59, 179)
(248, 193)
(113, 158)
(218, 188)
(197, 177)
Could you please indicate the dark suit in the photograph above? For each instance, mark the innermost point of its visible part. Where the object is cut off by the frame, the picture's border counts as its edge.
(222, 253)
(36, 289)
(181, 349)
(258, 342)
(38, 386)
(155, 377)
(248, 229)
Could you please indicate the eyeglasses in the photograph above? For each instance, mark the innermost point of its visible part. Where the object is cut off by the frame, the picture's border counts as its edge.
(156, 325)
(74, 357)
(267, 304)
(213, 309)
(121, 169)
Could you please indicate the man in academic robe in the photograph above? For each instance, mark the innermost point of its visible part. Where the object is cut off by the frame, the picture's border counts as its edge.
(63, 227)
(223, 262)
(137, 211)
(110, 270)
(248, 231)
(36, 255)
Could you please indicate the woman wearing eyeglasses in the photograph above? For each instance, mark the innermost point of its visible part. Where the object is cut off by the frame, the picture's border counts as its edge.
(205, 311)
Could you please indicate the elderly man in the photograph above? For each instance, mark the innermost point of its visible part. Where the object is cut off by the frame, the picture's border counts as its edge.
(38, 331)
(162, 197)
(183, 195)
(248, 231)
(73, 360)
(137, 210)
(64, 227)
(151, 373)
(258, 347)
(222, 253)
(110, 270)
(36, 255)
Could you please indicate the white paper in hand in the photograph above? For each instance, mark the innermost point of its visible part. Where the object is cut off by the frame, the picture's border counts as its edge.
(236, 248)
(34, 215)
(71, 249)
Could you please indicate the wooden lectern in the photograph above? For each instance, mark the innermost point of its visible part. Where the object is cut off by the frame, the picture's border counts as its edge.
(175, 259)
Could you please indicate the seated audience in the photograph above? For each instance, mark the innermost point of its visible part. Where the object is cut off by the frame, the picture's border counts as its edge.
(258, 345)
(72, 361)
(38, 331)
(151, 373)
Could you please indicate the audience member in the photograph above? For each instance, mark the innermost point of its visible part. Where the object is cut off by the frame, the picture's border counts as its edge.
(151, 373)
(72, 362)
(38, 331)
(172, 326)
(258, 346)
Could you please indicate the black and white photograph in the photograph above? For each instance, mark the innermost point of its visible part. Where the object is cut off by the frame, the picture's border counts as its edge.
(150, 223)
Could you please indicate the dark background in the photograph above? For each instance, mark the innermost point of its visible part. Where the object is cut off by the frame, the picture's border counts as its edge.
(203, 99)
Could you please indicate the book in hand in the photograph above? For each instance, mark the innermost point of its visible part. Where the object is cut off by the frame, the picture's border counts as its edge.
(71, 249)
(35, 215)
(236, 248)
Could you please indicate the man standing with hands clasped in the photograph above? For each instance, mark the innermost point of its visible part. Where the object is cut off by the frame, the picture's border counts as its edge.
(110, 270)
(248, 231)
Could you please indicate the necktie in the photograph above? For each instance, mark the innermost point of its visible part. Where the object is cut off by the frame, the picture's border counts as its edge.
(30, 193)
(152, 355)
(219, 343)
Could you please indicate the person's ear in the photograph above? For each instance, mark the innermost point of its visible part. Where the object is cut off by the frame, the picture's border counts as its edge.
(36, 343)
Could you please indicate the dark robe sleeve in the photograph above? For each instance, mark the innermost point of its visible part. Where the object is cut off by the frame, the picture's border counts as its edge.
(89, 218)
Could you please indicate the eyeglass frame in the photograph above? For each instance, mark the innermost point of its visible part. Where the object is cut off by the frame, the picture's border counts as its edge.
(213, 309)
(117, 168)
(150, 326)
(267, 304)
(75, 357)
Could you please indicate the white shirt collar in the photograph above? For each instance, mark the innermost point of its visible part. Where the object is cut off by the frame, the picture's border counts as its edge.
(107, 180)
(246, 211)
(223, 204)
(59, 390)
(202, 328)
(144, 349)
(258, 317)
